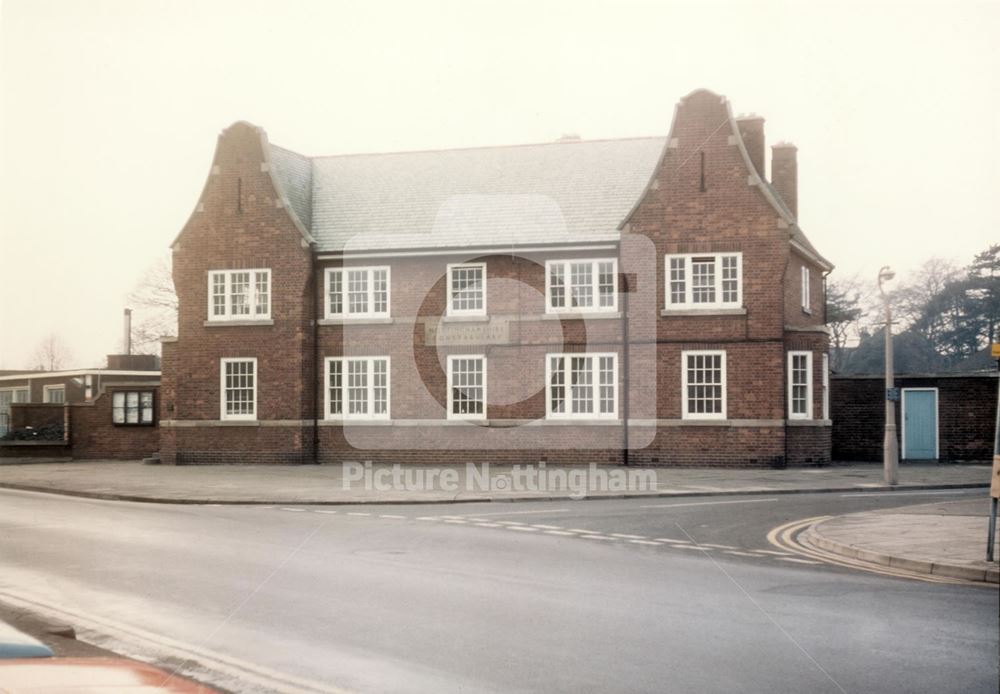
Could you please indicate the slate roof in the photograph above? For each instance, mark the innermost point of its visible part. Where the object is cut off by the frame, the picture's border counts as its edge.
(573, 191)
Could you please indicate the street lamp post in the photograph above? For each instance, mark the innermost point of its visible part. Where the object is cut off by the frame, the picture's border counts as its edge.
(890, 448)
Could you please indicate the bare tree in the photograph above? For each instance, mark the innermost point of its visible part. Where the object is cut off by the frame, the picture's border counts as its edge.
(845, 316)
(51, 354)
(913, 296)
(154, 307)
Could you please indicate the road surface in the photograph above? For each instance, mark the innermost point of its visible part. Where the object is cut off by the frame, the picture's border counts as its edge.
(655, 595)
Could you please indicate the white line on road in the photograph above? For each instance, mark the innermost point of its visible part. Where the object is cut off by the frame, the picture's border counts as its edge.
(739, 554)
(672, 541)
(597, 537)
(644, 542)
(771, 551)
(510, 523)
(947, 492)
(711, 503)
(558, 532)
(524, 513)
(522, 528)
(546, 527)
(329, 513)
(455, 520)
(392, 515)
(357, 513)
(799, 561)
(585, 532)
(625, 536)
(295, 510)
(488, 525)
(707, 544)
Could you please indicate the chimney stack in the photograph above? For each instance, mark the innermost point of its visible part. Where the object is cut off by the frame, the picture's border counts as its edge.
(127, 344)
(785, 175)
(752, 131)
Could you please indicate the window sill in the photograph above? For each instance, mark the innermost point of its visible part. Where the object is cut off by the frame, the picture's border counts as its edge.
(669, 312)
(706, 421)
(581, 315)
(236, 323)
(374, 320)
(466, 319)
(238, 423)
(808, 422)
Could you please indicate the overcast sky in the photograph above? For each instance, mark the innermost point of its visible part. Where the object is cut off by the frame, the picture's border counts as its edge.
(110, 112)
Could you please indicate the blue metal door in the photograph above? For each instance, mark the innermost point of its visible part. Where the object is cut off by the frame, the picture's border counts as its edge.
(919, 424)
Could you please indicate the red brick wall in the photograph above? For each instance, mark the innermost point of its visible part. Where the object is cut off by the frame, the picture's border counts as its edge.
(35, 415)
(93, 435)
(966, 416)
(223, 235)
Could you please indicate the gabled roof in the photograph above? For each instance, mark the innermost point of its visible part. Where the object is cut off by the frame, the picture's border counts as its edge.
(569, 192)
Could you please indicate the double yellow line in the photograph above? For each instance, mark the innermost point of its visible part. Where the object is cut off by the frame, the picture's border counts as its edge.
(787, 537)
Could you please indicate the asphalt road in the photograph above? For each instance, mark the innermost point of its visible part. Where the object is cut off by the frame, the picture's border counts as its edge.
(657, 595)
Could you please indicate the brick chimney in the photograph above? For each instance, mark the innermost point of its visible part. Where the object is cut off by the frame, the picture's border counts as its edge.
(752, 131)
(784, 174)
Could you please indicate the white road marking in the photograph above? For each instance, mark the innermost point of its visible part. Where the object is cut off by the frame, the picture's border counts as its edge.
(522, 528)
(644, 542)
(428, 518)
(707, 544)
(393, 516)
(799, 561)
(488, 525)
(944, 492)
(711, 503)
(524, 513)
(357, 513)
(697, 547)
(455, 520)
(597, 537)
(509, 523)
(585, 532)
(739, 554)
(546, 527)
(771, 551)
(559, 532)
(626, 536)
(329, 513)
(294, 510)
(673, 542)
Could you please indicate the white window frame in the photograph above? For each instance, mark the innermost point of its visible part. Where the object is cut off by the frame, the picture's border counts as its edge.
(594, 285)
(595, 385)
(370, 387)
(223, 415)
(251, 296)
(806, 299)
(141, 421)
(345, 304)
(689, 303)
(808, 414)
(826, 387)
(685, 404)
(451, 410)
(46, 390)
(450, 309)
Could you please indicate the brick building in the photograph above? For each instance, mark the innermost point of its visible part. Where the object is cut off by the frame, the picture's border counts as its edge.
(73, 385)
(510, 304)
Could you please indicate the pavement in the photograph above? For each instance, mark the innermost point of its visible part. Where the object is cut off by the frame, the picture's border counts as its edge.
(333, 484)
(946, 538)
